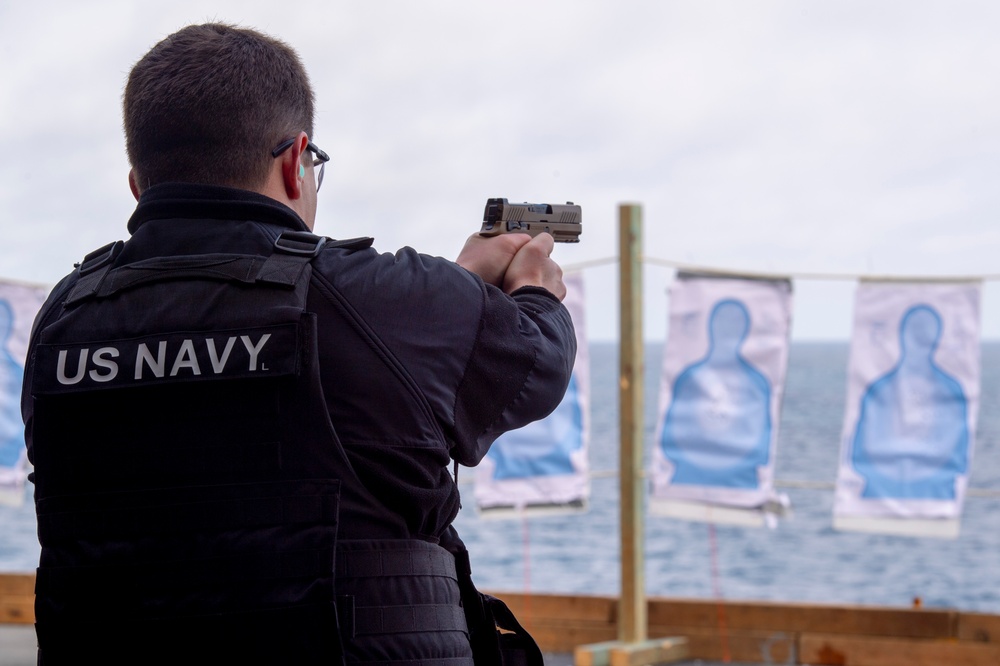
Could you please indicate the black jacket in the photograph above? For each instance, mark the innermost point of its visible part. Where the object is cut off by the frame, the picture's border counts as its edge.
(420, 363)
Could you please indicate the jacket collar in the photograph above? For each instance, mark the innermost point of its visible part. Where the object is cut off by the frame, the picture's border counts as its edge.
(186, 200)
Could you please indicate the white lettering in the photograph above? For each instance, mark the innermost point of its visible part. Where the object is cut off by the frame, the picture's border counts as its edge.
(254, 350)
(186, 359)
(101, 362)
(80, 368)
(219, 364)
(156, 365)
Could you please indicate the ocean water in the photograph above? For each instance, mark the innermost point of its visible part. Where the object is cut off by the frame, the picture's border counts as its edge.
(803, 559)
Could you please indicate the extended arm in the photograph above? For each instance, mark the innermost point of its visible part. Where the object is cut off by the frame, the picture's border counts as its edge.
(512, 261)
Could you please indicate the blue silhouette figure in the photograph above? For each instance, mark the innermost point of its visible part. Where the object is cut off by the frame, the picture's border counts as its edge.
(542, 448)
(717, 431)
(11, 376)
(912, 439)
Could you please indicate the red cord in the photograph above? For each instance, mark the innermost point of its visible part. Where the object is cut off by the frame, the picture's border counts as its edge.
(717, 590)
(526, 538)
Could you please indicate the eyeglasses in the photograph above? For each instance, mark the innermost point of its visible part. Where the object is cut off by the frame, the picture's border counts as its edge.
(319, 163)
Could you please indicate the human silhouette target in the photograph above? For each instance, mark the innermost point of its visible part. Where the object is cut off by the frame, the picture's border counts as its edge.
(912, 438)
(717, 430)
(11, 377)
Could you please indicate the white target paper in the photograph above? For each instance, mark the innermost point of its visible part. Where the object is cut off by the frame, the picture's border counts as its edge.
(720, 400)
(543, 466)
(912, 404)
(18, 306)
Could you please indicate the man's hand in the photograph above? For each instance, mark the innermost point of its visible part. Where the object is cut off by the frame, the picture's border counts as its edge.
(532, 266)
(512, 261)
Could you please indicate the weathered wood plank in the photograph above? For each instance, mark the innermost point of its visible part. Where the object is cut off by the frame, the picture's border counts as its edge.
(17, 609)
(765, 647)
(17, 598)
(655, 651)
(632, 616)
(789, 617)
(16, 584)
(839, 650)
(560, 637)
(619, 653)
(594, 654)
(754, 632)
(562, 606)
(979, 627)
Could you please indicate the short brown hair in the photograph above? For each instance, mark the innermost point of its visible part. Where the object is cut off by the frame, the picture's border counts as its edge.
(209, 103)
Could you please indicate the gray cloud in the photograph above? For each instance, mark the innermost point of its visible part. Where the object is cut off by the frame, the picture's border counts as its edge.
(776, 136)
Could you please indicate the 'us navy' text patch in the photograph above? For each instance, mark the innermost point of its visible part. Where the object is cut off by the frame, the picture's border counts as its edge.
(268, 351)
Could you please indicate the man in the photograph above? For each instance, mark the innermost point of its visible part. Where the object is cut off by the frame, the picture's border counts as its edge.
(242, 432)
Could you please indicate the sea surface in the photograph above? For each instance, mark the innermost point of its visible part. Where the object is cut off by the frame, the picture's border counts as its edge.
(802, 559)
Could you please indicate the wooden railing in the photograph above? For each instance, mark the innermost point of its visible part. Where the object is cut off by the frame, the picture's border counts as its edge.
(775, 633)
(17, 598)
(750, 632)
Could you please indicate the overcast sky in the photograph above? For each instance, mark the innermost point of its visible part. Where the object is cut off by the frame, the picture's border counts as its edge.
(780, 136)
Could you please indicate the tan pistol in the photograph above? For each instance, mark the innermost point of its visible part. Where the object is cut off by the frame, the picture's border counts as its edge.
(562, 221)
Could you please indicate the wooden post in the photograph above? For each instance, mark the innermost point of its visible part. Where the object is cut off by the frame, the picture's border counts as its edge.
(632, 647)
(632, 609)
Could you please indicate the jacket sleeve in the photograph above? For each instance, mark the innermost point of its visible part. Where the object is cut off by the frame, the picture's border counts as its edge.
(479, 361)
(518, 370)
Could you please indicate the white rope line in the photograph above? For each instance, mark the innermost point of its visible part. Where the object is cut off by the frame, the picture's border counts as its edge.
(797, 484)
(770, 275)
(867, 277)
(576, 268)
(714, 270)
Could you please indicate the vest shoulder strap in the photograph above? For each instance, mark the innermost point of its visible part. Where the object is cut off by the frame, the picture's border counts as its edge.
(291, 252)
(93, 269)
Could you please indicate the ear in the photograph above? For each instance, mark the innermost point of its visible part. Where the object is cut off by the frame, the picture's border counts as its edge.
(293, 175)
(132, 184)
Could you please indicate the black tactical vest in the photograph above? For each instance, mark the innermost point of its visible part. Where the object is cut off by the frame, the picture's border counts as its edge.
(187, 480)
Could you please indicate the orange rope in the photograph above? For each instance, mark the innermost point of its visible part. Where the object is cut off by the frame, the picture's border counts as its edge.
(717, 591)
(526, 538)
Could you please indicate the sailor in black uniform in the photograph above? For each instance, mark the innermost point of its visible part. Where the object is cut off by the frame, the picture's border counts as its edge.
(242, 432)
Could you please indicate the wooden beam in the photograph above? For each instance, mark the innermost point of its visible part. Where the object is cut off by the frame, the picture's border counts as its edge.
(839, 650)
(557, 637)
(562, 607)
(741, 646)
(757, 632)
(595, 654)
(632, 615)
(656, 651)
(816, 618)
(978, 627)
(17, 598)
(17, 584)
(619, 653)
